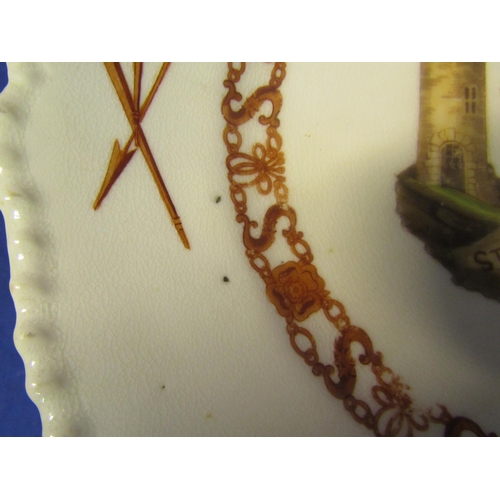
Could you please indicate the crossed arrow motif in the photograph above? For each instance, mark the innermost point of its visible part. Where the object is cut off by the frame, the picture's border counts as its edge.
(135, 113)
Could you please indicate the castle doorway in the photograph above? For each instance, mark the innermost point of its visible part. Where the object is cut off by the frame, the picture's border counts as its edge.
(452, 166)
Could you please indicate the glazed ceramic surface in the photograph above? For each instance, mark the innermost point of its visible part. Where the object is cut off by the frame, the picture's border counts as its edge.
(125, 331)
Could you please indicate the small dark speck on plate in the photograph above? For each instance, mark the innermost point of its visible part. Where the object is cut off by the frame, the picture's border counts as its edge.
(225, 279)
(217, 200)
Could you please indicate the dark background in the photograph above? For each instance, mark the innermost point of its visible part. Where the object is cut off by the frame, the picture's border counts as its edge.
(18, 415)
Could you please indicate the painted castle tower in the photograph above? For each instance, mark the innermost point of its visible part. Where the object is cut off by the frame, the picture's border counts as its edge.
(452, 148)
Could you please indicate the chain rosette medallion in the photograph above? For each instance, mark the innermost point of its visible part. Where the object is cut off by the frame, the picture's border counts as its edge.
(295, 287)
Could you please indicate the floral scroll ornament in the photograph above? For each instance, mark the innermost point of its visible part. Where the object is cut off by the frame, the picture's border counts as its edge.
(259, 169)
(295, 287)
(297, 290)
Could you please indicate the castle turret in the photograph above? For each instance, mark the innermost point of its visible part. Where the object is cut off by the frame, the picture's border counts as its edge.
(452, 148)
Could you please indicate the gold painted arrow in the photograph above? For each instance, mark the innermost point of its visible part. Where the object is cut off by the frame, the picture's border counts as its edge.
(135, 114)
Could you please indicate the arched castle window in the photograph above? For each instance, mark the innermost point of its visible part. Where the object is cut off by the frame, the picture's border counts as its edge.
(452, 166)
(470, 99)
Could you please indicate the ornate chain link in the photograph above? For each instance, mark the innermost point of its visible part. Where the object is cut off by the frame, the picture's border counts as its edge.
(295, 287)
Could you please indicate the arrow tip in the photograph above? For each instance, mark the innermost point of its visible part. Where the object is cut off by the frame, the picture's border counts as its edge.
(117, 163)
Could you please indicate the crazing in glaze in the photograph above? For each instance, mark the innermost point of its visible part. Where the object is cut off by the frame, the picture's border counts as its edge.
(135, 113)
(295, 287)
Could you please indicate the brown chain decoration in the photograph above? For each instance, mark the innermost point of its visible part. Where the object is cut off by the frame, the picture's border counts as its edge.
(295, 287)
